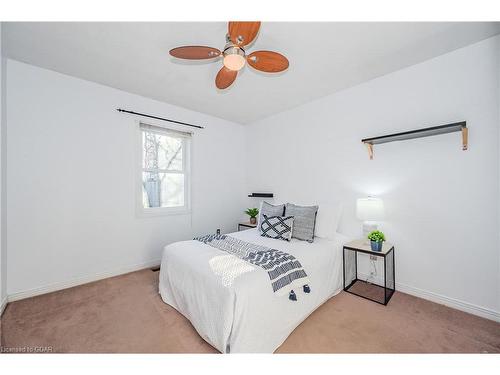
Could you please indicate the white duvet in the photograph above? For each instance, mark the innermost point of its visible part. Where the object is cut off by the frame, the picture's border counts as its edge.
(230, 302)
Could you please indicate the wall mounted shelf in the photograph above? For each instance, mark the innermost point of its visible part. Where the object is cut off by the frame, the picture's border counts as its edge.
(261, 195)
(419, 133)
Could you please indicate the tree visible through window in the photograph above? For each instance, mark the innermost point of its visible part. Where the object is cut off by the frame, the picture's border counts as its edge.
(163, 167)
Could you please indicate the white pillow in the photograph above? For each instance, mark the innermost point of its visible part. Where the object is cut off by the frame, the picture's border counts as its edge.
(327, 220)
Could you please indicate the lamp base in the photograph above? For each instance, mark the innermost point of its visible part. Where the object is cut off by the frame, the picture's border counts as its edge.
(368, 226)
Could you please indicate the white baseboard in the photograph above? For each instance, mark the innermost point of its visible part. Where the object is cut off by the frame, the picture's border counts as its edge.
(79, 281)
(450, 302)
(467, 307)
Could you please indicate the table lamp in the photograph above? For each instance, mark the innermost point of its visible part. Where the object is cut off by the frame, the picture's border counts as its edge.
(369, 210)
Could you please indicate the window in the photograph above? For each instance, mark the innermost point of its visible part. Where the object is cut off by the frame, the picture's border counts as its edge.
(164, 169)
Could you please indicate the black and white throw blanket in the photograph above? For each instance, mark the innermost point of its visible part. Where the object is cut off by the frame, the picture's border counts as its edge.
(284, 270)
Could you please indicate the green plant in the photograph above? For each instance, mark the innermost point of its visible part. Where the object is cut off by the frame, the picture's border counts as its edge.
(376, 236)
(252, 212)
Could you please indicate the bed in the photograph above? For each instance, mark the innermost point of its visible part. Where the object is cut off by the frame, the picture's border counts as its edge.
(229, 301)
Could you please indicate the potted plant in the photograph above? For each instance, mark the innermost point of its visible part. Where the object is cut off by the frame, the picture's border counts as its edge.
(376, 239)
(252, 212)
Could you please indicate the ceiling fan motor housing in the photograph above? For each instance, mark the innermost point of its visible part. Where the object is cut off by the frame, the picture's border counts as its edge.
(231, 49)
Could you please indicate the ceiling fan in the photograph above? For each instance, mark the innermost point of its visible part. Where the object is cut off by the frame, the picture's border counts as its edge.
(240, 34)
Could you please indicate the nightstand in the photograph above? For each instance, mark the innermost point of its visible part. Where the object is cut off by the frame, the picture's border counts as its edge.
(246, 225)
(372, 291)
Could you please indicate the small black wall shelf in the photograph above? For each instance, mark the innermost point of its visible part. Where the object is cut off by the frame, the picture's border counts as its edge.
(261, 195)
(419, 133)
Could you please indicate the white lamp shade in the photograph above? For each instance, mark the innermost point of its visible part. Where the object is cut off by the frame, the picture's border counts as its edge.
(370, 209)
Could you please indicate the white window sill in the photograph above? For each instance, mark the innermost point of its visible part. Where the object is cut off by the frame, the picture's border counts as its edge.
(162, 211)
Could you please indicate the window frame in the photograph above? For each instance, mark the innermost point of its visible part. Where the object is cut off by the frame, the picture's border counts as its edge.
(187, 138)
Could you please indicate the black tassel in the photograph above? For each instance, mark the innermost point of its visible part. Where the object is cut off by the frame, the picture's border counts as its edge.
(306, 289)
(292, 296)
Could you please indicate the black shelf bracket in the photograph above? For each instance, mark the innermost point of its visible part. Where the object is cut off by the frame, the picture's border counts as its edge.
(419, 133)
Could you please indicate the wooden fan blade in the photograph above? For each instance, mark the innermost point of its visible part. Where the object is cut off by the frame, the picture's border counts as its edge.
(243, 33)
(268, 61)
(225, 78)
(195, 52)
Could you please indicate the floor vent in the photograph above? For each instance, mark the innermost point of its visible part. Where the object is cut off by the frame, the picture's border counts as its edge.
(155, 269)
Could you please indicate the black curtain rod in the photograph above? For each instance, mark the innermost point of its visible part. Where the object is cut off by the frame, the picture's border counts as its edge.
(159, 118)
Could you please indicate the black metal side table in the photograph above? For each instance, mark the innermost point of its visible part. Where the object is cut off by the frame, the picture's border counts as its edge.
(372, 291)
(247, 225)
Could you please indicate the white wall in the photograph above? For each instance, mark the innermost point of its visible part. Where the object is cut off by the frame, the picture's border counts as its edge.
(498, 152)
(441, 202)
(3, 252)
(71, 175)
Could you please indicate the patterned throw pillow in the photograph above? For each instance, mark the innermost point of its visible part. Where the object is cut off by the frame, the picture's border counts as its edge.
(304, 222)
(278, 227)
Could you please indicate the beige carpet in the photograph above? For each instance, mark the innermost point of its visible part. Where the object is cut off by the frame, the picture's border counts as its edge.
(126, 314)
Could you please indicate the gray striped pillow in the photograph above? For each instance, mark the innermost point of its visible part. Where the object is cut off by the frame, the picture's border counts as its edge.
(304, 221)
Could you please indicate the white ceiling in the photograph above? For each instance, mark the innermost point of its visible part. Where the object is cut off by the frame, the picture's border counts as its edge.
(324, 58)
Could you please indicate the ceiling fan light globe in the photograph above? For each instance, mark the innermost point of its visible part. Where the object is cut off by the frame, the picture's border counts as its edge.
(234, 58)
(234, 62)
